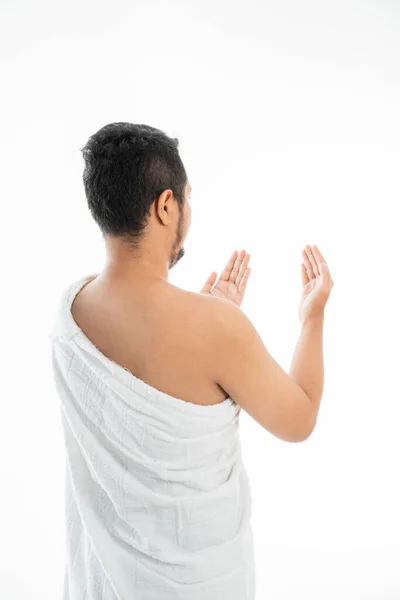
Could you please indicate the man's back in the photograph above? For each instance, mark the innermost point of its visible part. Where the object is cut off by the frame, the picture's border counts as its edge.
(194, 347)
(160, 333)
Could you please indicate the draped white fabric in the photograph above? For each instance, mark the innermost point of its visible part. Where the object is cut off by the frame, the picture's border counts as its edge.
(157, 499)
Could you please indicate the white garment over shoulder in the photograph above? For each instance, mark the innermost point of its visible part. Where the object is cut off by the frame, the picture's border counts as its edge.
(157, 498)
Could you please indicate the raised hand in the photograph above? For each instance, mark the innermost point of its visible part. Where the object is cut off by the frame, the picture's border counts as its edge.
(317, 283)
(232, 282)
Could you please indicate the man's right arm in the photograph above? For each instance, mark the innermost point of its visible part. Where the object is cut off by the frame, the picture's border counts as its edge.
(286, 406)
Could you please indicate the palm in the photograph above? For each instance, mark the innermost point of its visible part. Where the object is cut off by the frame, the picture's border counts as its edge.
(309, 291)
(232, 282)
(317, 283)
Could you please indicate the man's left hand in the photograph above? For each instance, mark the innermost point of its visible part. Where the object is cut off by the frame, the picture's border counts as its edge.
(232, 282)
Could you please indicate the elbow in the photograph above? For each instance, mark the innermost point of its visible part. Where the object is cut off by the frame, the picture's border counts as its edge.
(307, 430)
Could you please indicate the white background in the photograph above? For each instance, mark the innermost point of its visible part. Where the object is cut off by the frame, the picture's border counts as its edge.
(288, 115)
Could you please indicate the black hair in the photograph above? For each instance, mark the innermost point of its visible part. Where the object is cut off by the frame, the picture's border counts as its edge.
(127, 166)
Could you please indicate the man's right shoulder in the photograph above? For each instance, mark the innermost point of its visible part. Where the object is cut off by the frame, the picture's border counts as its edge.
(218, 316)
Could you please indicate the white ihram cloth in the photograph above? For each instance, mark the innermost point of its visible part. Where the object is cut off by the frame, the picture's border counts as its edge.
(157, 499)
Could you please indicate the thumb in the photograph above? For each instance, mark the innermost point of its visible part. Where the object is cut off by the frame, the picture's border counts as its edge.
(206, 289)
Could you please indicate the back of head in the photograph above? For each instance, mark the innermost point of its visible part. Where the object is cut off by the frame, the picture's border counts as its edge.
(127, 166)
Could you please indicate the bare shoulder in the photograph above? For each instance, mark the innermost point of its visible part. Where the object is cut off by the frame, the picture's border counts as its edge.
(217, 314)
(210, 312)
(215, 321)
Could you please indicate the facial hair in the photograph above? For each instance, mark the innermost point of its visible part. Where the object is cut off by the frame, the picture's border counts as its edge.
(177, 255)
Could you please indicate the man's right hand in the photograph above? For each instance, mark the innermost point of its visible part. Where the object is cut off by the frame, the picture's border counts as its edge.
(317, 284)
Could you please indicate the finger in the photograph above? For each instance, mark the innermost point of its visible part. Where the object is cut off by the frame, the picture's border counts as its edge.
(304, 275)
(308, 265)
(236, 266)
(317, 253)
(325, 271)
(209, 283)
(243, 282)
(229, 266)
(243, 267)
(323, 267)
(312, 260)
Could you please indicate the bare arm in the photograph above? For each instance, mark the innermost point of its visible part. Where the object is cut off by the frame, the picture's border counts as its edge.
(284, 404)
(245, 369)
(307, 368)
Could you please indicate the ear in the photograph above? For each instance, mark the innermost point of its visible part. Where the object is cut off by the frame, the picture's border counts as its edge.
(163, 206)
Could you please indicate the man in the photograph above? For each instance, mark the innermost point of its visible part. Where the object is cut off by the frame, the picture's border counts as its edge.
(196, 355)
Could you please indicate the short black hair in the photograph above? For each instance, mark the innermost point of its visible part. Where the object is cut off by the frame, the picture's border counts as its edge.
(127, 166)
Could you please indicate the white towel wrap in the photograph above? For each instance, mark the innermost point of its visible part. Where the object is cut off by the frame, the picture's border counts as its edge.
(157, 499)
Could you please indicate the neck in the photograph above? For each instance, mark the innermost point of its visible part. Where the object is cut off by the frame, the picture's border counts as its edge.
(136, 265)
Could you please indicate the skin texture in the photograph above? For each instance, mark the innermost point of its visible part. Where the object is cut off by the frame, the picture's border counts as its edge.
(200, 347)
